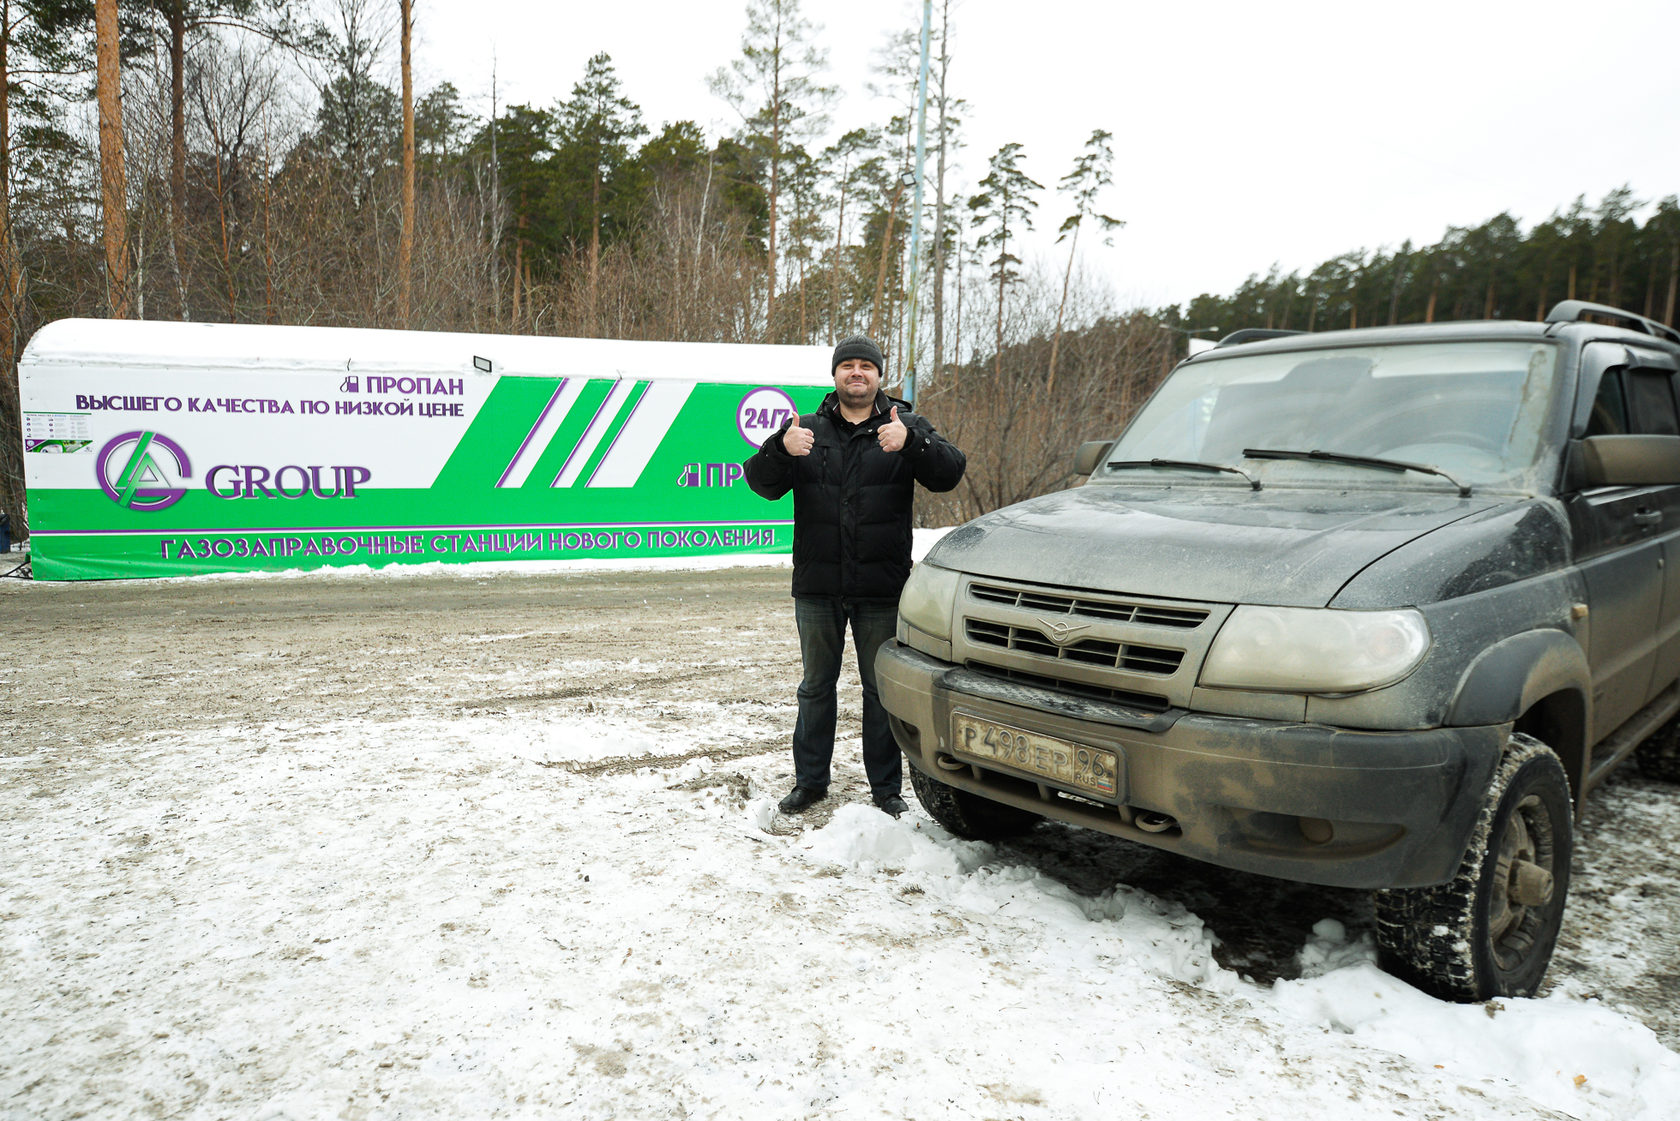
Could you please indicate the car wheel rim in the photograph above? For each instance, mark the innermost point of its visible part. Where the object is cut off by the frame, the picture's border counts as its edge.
(1517, 912)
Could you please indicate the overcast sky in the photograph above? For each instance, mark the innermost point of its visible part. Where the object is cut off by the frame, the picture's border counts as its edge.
(1246, 134)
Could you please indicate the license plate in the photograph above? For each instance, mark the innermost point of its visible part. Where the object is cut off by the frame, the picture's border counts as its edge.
(1070, 764)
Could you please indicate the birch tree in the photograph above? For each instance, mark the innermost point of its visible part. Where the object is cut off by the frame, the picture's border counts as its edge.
(273, 19)
(946, 145)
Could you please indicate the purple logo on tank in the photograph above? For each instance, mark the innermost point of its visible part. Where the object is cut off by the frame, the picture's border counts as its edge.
(141, 470)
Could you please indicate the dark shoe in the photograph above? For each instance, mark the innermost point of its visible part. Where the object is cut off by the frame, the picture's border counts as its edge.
(802, 798)
(891, 804)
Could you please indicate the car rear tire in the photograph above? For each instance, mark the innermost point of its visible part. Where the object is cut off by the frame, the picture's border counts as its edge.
(1659, 756)
(1490, 930)
(967, 815)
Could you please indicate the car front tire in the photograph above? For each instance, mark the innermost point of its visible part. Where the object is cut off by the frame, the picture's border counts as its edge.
(969, 816)
(1490, 930)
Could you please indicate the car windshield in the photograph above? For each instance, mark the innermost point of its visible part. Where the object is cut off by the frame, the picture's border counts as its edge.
(1474, 410)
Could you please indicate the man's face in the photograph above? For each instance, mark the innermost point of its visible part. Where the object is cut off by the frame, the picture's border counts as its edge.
(856, 380)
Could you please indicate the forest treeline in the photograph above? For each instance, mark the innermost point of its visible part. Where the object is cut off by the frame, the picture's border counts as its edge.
(271, 170)
(1602, 254)
(274, 161)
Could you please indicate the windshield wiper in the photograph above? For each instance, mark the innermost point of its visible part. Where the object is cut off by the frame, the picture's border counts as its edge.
(1188, 464)
(1357, 461)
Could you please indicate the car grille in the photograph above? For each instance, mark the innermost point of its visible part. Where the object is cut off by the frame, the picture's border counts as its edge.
(1094, 652)
(1117, 610)
(1120, 648)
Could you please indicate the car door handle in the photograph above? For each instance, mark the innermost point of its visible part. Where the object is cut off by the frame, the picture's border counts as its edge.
(1647, 517)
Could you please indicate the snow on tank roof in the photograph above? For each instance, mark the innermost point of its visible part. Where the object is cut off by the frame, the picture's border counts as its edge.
(152, 345)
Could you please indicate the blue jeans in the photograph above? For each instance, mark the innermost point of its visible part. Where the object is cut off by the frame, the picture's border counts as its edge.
(822, 638)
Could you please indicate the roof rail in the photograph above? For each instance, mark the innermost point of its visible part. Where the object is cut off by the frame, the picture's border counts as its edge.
(1570, 311)
(1254, 334)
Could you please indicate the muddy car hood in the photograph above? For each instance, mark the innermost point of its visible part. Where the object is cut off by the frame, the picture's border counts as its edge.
(1217, 543)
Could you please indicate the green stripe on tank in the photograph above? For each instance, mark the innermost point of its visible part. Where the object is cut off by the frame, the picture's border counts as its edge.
(589, 400)
(637, 392)
(496, 433)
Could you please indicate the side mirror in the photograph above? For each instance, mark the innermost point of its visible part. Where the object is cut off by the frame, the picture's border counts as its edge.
(1091, 453)
(1629, 461)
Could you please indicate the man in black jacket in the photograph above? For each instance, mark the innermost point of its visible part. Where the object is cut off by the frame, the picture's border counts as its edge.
(852, 467)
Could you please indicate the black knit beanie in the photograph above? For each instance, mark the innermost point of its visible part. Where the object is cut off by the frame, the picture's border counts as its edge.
(858, 346)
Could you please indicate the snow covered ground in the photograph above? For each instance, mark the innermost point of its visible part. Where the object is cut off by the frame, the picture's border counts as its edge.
(484, 844)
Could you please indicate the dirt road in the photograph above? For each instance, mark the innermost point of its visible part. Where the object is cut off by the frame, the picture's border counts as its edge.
(108, 662)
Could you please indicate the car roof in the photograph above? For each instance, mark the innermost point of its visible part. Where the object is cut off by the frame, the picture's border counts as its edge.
(1476, 330)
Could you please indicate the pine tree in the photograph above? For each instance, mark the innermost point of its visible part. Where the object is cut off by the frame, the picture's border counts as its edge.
(522, 137)
(597, 124)
(1003, 208)
(358, 130)
(40, 42)
(1664, 229)
(804, 230)
(1613, 234)
(405, 244)
(880, 225)
(440, 129)
(113, 180)
(358, 127)
(775, 88)
(845, 160)
(1092, 172)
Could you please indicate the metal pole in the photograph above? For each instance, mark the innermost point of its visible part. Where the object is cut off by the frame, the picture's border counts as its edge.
(916, 205)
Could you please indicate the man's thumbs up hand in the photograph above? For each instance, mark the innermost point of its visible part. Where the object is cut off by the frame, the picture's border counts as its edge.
(796, 440)
(892, 434)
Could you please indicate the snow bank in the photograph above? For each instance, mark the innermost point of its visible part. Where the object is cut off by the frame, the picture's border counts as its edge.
(1565, 1054)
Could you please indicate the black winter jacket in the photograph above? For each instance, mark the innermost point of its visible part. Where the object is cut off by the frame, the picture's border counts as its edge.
(851, 500)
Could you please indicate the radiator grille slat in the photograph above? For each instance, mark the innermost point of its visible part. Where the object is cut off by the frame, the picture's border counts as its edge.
(1126, 648)
(1150, 614)
(1129, 656)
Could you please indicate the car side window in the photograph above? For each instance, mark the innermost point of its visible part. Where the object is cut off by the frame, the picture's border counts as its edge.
(1650, 401)
(1609, 411)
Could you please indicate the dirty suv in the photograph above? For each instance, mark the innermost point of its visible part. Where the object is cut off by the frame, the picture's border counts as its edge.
(1370, 608)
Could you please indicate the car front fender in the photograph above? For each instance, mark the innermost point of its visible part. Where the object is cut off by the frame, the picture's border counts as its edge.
(1508, 678)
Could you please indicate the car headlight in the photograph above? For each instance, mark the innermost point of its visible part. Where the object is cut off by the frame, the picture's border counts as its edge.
(1315, 650)
(928, 600)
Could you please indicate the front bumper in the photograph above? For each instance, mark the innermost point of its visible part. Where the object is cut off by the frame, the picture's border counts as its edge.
(1302, 802)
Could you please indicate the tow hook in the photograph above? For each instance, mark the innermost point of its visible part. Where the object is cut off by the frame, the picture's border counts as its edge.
(1152, 822)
